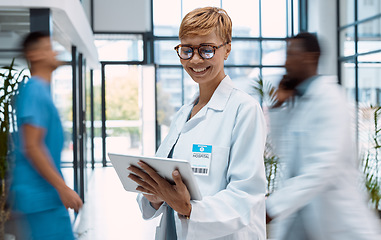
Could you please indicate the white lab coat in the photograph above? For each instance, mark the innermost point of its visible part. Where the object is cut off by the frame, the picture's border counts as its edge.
(319, 198)
(233, 194)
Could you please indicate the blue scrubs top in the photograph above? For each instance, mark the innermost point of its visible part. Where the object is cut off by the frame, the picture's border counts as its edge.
(34, 106)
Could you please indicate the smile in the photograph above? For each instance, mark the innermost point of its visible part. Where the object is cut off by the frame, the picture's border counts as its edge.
(198, 70)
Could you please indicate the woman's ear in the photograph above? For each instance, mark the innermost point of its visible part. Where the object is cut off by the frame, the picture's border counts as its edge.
(228, 49)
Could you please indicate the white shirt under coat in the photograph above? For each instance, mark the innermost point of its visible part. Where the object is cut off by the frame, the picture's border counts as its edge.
(233, 204)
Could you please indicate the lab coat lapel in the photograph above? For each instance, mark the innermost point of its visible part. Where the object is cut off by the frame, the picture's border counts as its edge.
(181, 120)
(191, 123)
(217, 102)
(177, 125)
(181, 124)
(221, 95)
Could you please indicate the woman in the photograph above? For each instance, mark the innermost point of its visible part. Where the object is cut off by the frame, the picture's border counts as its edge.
(229, 126)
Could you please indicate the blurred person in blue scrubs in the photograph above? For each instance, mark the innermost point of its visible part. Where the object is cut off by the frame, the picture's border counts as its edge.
(311, 130)
(222, 133)
(38, 188)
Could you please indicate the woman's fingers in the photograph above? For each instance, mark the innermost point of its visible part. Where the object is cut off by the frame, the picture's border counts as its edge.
(159, 189)
(138, 171)
(140, 182)
(143, 176)
(144, 190)
(178, 180)
(152, 173)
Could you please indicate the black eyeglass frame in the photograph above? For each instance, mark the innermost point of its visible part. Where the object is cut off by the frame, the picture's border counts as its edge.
(197, 47)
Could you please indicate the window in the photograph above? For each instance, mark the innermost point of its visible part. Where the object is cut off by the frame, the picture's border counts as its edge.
(119, 47)
(360, 54)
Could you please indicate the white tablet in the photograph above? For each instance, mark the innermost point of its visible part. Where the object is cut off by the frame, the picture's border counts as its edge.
(163, 166)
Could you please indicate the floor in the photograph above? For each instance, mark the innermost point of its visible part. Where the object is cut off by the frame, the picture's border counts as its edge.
(110, 212)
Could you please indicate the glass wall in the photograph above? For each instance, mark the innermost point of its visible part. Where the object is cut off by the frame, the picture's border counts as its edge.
(97, 109)
(258, 48)
(62, 86)
(89, 121)
(117, 85)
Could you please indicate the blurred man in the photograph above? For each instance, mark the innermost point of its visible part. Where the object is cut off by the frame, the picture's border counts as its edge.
(38, 187)
(318, 198)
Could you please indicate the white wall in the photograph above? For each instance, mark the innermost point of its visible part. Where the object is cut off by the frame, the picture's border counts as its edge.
(122, 15)
(322, 20)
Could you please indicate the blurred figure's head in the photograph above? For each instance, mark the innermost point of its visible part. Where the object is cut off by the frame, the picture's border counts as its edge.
(203, 21)
(303, 52)
(38, 51)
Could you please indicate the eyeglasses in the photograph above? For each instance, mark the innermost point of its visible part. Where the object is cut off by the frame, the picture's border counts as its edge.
(205, 51)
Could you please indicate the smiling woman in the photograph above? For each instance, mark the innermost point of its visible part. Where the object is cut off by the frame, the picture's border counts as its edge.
(230, 172)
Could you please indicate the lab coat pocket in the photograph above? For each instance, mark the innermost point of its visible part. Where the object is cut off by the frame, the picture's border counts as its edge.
(220, 155)
(213, 182)
(220, 160)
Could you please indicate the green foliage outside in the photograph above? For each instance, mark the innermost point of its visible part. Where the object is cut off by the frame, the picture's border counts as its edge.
(164, 108)
(122, 98)
(122, 102)
(371, 160)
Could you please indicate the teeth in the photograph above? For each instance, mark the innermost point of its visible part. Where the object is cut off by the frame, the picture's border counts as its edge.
(199, 69)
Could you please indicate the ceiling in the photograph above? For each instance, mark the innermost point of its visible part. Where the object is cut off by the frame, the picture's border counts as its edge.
(69, 24)
(14, 25)
(15, 21)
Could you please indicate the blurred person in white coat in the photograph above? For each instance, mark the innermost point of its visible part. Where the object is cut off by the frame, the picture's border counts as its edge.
(226, 124)
(319, 197)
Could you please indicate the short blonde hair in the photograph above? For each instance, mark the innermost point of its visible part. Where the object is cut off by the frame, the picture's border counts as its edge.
(203, 21)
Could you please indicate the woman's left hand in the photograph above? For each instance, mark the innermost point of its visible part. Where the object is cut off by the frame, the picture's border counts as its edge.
(150, 182)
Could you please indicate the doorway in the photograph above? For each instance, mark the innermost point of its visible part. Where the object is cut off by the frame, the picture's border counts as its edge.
(128, 110)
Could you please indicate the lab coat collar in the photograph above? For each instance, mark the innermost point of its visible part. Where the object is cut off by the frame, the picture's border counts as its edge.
(217, 102)
(318, 80)
(220, 96)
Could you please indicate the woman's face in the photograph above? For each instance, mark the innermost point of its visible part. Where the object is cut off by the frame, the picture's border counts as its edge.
(204, 71)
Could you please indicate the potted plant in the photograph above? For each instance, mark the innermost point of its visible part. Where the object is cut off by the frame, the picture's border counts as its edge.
(371, 161)
(266, 93)
(9, 85)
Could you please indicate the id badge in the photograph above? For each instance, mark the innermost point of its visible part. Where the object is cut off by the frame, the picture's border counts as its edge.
(201, 157)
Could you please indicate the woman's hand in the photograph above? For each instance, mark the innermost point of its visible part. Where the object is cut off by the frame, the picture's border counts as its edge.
(158, 189)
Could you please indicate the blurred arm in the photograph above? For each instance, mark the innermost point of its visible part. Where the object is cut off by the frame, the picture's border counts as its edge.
(36, 152)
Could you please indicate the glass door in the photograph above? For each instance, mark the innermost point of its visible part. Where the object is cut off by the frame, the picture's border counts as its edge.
(129, 102)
